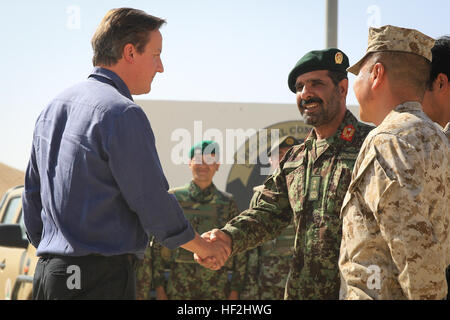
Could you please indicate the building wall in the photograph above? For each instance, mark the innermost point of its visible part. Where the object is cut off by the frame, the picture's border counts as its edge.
(168, 117)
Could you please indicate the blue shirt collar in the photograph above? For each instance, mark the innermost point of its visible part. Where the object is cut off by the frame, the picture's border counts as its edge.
(110, 77)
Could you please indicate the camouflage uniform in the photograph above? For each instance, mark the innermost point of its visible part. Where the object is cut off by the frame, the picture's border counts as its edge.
(395, 39)
(144, 275)
(308, 186)
(250, 289)
(144, 270)
(205, 210)
(268, 265)
(396, 212)
(447, 131)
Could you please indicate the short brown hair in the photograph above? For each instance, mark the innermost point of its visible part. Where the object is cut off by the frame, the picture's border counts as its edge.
(118, 28)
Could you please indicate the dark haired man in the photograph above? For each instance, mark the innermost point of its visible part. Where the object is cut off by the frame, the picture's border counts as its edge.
(310, 183)
(436, 103)
(94, 186)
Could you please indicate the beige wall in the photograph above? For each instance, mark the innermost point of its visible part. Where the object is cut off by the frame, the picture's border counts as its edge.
(167, 116)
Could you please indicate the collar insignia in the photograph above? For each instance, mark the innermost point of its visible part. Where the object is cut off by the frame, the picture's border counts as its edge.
(348, 133)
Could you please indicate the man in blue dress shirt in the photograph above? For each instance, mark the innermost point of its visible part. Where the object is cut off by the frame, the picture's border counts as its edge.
(94, 187)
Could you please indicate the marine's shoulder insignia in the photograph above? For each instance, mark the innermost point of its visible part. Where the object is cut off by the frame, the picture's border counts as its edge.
(348, 133)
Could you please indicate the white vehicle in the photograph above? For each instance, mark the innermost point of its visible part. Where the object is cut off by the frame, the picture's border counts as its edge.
(17, 256)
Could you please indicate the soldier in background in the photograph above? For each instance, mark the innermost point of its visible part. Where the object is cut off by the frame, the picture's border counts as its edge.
(310, 182)
(144, 275)
(145, 285)
(268, 265)
(436, 103)
(395, 213)
(206, 207)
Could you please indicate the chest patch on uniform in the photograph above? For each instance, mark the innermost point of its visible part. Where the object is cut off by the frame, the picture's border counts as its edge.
(348, 133)
(314, 188)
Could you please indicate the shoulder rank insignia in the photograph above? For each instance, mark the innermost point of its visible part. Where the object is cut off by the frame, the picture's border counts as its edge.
(314, 188)
(348, 133)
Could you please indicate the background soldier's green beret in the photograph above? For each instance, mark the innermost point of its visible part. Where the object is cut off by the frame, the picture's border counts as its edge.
(329, 59)
(204, 147)
(286, 141)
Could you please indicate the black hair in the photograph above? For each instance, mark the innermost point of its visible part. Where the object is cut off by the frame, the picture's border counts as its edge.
(441, 59)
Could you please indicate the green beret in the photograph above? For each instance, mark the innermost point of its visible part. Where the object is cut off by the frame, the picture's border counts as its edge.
(204, 147)
(329, 59)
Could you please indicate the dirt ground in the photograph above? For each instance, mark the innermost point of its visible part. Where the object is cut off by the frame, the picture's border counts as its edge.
(9, 177)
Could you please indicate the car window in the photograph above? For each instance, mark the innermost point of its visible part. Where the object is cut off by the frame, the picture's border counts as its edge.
(22, 226)
(11, 209)
(3, 199)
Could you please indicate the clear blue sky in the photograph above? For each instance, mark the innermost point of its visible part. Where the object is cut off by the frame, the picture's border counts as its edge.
(234, 50)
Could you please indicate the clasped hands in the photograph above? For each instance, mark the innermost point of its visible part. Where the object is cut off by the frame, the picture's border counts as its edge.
(217, 249)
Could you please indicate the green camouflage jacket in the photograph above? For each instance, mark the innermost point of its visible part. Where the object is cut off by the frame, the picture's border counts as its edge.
(268, 265)
(309, 184)
(144, 274)
(207, 209)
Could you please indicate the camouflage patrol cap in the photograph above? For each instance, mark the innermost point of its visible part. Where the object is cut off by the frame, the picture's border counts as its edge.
(329, 59)
(396, 39)
(284, 142)
(204, 147)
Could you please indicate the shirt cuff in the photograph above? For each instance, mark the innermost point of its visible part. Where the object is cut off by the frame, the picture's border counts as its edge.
(179, 239)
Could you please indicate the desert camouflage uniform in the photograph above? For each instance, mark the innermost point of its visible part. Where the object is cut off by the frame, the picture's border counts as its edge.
(188, 280)
(395, 39)
(309, 186)
(396, 212)
(268, 265)
(447, 131)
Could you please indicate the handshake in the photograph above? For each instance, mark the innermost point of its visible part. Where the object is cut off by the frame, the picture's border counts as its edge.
(212, 249)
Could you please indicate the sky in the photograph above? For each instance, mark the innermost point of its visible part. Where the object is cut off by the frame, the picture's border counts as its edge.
(234, 50)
